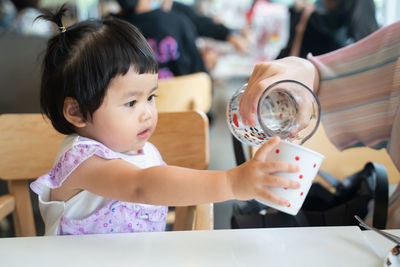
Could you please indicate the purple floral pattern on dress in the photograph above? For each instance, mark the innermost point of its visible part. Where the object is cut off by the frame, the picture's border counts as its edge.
(118, 217)
(115, 216)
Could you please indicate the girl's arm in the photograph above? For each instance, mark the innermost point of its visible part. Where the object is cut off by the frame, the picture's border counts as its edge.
(175, 186)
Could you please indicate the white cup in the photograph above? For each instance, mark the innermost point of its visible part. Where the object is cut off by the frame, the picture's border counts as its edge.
(309, 162)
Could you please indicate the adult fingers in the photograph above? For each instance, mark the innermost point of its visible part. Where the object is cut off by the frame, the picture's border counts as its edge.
(304, 115)
(262, 76)
(265, 74)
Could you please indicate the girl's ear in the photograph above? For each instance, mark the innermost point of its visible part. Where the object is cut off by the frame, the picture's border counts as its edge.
(72, 113)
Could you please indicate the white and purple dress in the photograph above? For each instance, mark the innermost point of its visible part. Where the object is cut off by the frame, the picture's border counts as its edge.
(87, 213)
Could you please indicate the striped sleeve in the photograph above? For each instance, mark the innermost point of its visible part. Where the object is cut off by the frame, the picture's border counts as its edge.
(360, 92)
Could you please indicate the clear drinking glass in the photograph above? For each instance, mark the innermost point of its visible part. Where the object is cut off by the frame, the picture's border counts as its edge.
(287, 108)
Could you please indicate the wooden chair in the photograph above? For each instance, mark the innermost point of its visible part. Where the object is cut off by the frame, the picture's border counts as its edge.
(343, 163)
(28, 145)
(183, 140)
(187, 92)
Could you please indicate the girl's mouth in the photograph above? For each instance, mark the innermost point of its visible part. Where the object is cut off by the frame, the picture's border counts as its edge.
(145, 134)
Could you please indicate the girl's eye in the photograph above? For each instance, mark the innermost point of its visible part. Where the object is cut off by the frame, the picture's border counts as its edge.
(151, 98)
(131, 103)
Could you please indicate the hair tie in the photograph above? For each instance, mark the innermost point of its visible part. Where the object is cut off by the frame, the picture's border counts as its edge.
(62, 29)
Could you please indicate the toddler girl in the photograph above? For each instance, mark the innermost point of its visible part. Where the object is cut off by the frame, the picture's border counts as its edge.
(99, 85)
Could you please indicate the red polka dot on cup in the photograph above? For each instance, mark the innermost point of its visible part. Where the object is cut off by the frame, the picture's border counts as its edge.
(308, 162)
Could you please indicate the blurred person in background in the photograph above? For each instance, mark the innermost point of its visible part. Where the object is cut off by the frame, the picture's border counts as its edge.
(328, 25)
(208, 27)
(7, 14)
(25, 23)
(171, 35)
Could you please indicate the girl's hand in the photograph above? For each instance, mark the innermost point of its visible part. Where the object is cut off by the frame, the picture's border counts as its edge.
(264, 74)
(252, 178)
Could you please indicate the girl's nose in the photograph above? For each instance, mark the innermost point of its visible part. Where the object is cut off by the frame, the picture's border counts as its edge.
(146, 113)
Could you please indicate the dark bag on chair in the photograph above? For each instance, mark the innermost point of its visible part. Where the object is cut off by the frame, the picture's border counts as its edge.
(324, 208)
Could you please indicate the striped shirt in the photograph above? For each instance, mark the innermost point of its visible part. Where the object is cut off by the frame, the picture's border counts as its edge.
(360, 92)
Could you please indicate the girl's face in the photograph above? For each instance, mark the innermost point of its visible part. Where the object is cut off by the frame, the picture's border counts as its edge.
(128, 116)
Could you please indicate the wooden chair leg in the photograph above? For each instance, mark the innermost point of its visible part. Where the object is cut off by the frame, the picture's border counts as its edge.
(184, 218)
(23, 215)
(204, 217)
(7, 205)
(199, 217)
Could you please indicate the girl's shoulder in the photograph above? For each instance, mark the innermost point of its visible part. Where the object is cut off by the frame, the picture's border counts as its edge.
(73, 151)
(76, 149)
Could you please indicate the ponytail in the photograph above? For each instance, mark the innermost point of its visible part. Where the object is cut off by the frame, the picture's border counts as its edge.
(55, 17)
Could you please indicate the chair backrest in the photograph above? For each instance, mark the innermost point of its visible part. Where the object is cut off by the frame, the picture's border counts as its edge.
(343, 163)
(187, 92)
(182, 139)
(28, 145)
(20, 72)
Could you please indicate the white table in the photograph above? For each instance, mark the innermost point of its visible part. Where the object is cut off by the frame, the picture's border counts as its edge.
(317, 246)
(378, 244)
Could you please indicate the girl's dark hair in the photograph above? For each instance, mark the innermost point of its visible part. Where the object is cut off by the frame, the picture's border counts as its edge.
(81, 61)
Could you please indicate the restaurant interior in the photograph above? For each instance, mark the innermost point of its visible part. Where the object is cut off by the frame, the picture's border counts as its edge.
(196, 129)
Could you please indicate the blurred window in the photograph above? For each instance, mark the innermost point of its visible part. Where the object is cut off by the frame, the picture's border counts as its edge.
(387, 11)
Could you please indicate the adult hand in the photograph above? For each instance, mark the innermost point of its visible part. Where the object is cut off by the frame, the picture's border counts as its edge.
(265, 74)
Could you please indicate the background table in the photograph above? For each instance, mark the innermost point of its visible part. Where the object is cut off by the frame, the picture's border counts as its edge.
(317, 246)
